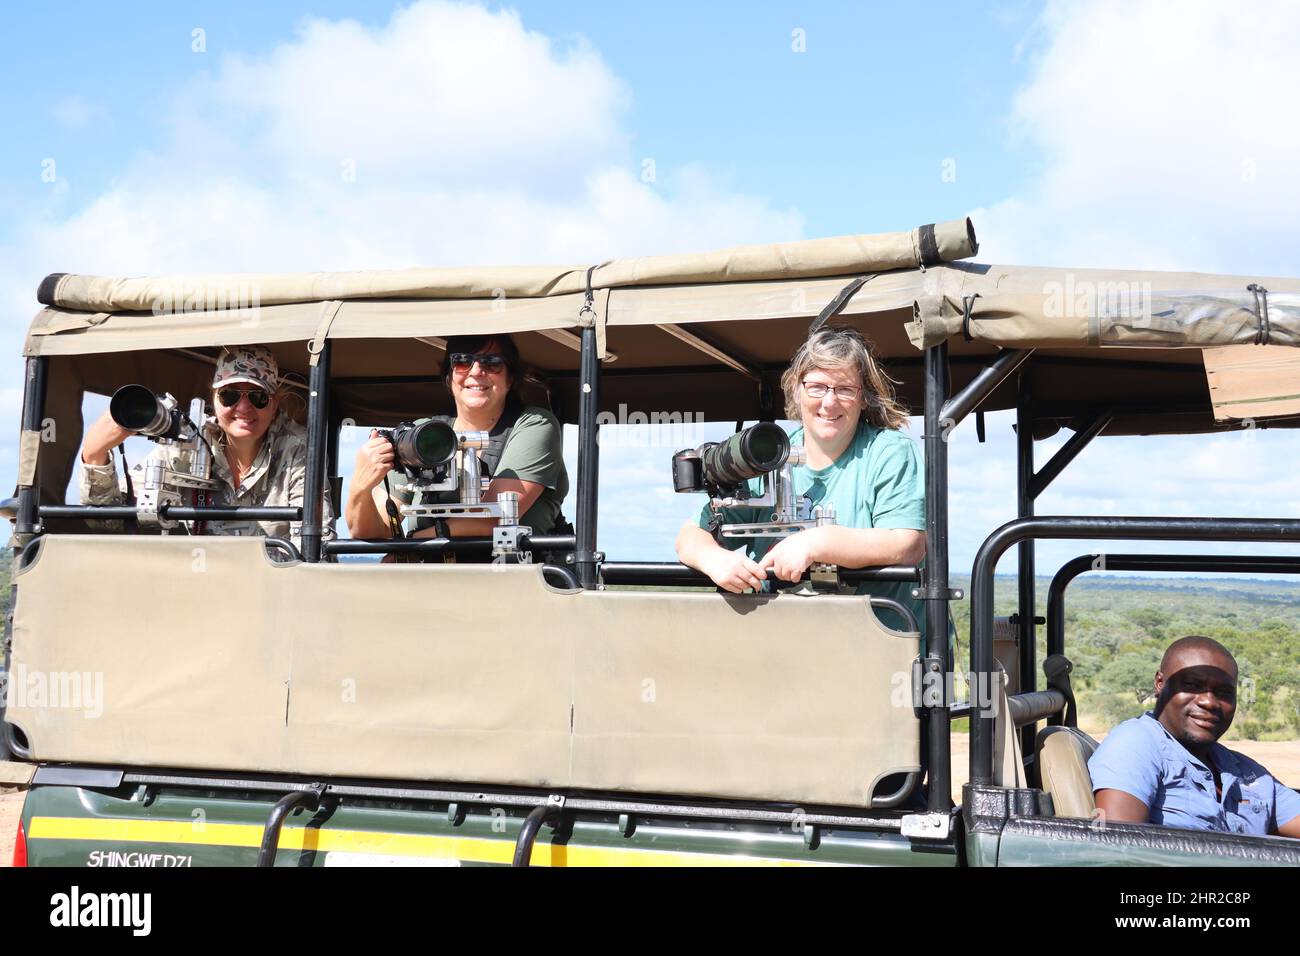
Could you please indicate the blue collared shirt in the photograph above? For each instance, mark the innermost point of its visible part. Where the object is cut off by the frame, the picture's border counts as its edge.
(1141, 758)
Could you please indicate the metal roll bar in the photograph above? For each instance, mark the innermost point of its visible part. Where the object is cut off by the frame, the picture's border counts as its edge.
(284, 545)
(1034, 706)
(1013, 532)
(671, 573)
(548, 812)
(1212, 563)
(111, 512)
(309, 798)
(423, 546)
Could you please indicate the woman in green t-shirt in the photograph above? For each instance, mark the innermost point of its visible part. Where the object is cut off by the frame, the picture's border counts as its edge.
(858, 459)
(481, 373)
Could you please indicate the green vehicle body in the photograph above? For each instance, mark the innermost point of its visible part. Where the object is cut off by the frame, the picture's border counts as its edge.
(180, 827)
(142, 825)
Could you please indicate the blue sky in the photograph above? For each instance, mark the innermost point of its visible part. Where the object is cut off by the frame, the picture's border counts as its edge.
(711, 85)
(1090, 133)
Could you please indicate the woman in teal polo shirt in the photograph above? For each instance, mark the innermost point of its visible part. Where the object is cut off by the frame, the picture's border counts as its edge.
(857, 458)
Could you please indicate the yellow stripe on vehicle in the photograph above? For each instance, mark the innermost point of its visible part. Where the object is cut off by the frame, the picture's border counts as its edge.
(467, 849)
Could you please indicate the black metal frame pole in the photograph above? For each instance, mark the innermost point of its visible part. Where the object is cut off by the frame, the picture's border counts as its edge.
(318, 418)
(35, 377)
(936, 653)
(334, 437)
(982, 385)
(479, 547)
(1028, 633)
(28, 510)
(584, 556)
(1068, 452)
(1156, 529)
(308, 799)
(671, 574)
(175, 512)
(1030, 484)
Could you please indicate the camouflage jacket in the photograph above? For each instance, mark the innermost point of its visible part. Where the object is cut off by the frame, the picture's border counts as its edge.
(276, 480)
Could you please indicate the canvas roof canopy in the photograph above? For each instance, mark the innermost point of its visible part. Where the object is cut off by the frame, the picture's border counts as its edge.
(707, 333)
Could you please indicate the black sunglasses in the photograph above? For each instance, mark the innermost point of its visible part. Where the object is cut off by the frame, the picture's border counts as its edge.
(257, 397)
(489, 363)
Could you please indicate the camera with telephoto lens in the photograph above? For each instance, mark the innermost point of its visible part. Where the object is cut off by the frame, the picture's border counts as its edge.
(724, 468)
(184, 475)
(137, 408)
(423, 448)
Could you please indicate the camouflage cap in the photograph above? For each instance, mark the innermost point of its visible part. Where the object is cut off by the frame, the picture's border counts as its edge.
(248, 363)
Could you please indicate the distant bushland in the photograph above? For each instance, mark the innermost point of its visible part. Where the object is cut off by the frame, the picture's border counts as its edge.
(1116, 629)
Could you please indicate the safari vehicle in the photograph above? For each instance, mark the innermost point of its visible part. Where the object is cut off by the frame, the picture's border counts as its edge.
(351, 712)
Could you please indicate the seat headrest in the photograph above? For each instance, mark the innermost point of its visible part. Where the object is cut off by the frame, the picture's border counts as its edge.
(1063, 754)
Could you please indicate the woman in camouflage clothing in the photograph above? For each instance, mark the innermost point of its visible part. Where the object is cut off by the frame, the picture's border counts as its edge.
(259, 454)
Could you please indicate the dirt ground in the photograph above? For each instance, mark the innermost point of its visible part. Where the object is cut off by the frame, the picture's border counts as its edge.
(11, 808)
(1282, 758)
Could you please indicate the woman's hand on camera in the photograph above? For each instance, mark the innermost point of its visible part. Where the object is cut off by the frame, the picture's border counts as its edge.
(103, 435)
(734, 571)
(374, 461)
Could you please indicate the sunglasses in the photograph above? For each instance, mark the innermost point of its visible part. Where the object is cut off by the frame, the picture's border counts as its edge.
(259, 398)
(489, 363)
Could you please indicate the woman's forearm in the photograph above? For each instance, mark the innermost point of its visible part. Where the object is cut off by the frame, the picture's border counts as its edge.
(867, 547)
(363, 517)
(103, 435)
(694, 545)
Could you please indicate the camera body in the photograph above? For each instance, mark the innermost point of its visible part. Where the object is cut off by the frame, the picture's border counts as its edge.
(425, 452)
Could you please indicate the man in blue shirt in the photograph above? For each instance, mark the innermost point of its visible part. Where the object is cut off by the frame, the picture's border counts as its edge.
(1167, 767)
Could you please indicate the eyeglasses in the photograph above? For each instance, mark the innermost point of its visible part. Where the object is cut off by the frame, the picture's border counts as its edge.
(259, 398)
(845, 393)
(487, 362)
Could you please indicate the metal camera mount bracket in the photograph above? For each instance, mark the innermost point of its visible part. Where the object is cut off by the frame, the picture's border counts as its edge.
(467, 478)
(788, 516)
(162, 484)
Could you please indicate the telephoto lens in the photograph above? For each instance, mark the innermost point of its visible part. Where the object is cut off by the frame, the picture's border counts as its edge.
(137, 408)
(424, 446)
(755, 451)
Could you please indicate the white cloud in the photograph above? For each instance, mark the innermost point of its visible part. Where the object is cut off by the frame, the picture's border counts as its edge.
(1166, 143)
(1167, 139)
(450, 135)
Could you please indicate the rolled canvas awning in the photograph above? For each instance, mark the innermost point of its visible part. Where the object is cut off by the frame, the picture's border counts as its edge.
(914, 274)
(730, 319)
(1031, 307)
(844, 255)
